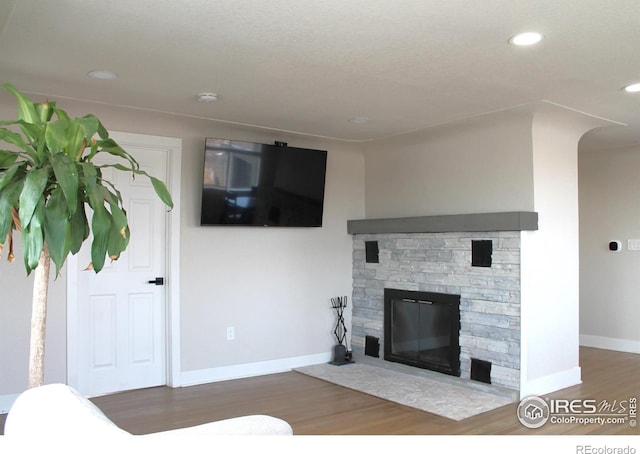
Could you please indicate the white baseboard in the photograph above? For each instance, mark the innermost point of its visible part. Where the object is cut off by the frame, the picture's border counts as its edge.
(6, 401)
(610, 343)
(551, 383)
(198, 377)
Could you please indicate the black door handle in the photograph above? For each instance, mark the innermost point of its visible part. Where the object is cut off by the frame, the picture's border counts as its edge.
(157, 281)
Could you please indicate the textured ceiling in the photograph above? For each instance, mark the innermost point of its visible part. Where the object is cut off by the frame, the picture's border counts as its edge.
(309, 67)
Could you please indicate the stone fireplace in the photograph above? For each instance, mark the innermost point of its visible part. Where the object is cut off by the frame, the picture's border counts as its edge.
(475, 257)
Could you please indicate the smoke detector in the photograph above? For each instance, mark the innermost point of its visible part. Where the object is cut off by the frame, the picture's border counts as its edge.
(102, 74)
(207, 96)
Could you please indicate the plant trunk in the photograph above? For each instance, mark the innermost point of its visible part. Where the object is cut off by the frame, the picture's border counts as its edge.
(39, 319)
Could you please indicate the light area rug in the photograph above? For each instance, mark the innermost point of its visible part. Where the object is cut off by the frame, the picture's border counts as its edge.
(433, 396)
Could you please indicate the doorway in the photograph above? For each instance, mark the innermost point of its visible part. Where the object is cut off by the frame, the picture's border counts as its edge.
(123, 323)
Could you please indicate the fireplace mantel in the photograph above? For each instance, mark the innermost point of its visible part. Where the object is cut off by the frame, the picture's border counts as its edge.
(474, 222)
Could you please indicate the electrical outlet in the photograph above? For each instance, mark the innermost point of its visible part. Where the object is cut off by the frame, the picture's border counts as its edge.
(231, 333)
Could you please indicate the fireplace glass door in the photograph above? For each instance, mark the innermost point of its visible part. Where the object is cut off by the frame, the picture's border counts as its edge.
(423, 330)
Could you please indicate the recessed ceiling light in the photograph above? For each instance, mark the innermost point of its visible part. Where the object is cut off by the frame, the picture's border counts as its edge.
(526, 39)
(102, 74)
(359, 120)
(207, 96)
(633, 88)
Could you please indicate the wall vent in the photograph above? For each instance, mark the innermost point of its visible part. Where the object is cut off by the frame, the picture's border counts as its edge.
(480, 370)
(372, 346)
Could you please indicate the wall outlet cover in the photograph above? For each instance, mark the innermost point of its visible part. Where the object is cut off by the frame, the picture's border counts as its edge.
(633, 245)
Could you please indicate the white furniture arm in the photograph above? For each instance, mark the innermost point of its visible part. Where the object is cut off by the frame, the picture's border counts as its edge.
(58, 411)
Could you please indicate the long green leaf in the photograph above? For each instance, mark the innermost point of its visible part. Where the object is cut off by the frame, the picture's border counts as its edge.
(6, 220)
(119, 214)
(90, 125)
(112, 190)
(45, 111)
(101, 130)
(100, 226)
(56, 226)
(8, 198)
(111, 147)
(159, 187)
(89, 176)
(94, 150)
(56, 135)
(35, 134)
(26, 108)
(41, 155)
(78, 228)
(32, 194)
(33, 239)
(7, 158)
(119, 233)
(9, 175)
(60, 113)
(67, 176)
(15, 139)
(8, 122)
(161, 191)
(77, 142)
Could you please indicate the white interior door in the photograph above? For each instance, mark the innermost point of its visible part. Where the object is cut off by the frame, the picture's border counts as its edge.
(120, 332)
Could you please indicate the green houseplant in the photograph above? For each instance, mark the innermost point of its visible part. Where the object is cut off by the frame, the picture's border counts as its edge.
(48, 179)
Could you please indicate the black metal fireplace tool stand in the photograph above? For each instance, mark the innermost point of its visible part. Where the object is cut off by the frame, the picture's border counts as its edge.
(341, 355)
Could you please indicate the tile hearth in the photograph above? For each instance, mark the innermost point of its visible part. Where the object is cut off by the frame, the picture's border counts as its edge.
(450, 397)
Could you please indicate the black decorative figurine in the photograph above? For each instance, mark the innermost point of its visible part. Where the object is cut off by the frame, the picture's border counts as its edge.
(340, 353)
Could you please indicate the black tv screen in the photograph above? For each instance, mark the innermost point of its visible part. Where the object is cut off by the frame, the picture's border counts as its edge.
(255, 184)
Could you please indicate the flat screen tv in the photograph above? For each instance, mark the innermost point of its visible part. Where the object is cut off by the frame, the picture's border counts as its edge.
(255, 184)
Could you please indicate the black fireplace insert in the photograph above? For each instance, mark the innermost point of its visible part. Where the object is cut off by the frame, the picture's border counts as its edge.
(422, 329)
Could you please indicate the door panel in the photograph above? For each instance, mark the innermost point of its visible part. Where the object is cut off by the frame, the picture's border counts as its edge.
(102, 321)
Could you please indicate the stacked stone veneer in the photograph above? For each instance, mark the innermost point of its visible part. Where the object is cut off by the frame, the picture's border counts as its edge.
(441, 262)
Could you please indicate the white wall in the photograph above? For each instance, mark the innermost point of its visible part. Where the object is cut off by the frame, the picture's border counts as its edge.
(15, 320)
(479, 165)
(609, 284)
(550, 255)
(272, 285)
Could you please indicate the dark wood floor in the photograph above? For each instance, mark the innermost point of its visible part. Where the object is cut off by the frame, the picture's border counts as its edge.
(313, 406)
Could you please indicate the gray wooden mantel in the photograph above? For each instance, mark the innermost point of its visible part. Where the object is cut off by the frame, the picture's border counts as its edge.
(475, 222)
